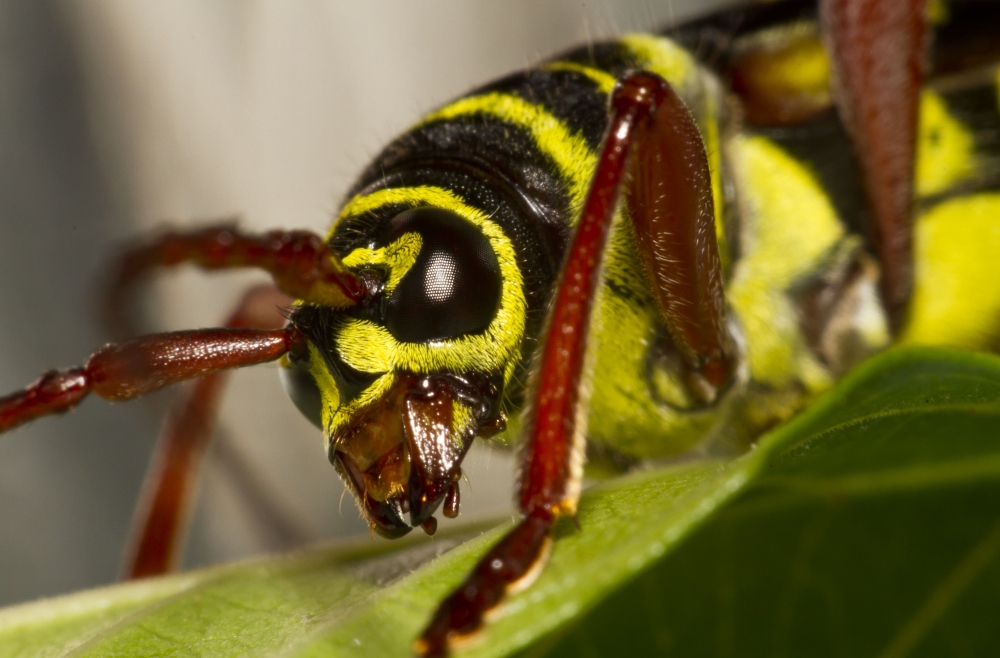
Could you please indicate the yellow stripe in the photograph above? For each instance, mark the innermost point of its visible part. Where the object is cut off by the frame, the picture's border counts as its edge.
(343, 415)
(793, 225)
(329, 393)
(370, 348)
(946, 148)
(398, 257)
(567, 149)
(605, 81)
(663, 57)
(714, 152)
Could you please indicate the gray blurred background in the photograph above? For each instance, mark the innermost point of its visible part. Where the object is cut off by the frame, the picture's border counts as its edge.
(117, 116)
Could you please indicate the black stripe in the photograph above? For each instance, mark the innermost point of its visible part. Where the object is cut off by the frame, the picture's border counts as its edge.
(571, 97)
(496, 146)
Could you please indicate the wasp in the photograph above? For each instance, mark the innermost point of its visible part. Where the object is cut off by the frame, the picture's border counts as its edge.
(648, 246)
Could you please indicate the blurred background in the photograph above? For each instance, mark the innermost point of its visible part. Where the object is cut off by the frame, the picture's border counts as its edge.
(119, 116)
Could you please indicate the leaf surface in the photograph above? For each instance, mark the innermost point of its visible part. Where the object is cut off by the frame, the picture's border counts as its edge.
(869, 525)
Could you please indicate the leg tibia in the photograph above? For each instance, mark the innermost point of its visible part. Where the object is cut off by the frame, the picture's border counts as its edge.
(511, 564)
(146, 364)
(877, 51)
(54, 392)
(299, 261)
(672, 209)
(143, 365)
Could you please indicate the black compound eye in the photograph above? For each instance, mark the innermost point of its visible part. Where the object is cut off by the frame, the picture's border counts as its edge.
(302, 389)
(453, 288)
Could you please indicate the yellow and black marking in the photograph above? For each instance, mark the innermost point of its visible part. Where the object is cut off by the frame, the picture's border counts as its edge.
(514, 160)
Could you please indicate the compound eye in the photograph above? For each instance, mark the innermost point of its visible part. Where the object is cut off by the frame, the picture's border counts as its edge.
(302, 389)
(453, 288)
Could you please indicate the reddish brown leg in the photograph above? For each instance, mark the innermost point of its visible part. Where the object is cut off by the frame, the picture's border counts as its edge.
(299, 261)
(642, 108)
(143, 365)
(877, 49)
(670, 201)
(162, 513)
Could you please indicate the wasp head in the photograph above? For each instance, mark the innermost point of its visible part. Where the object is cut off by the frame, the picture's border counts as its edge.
(402, 383)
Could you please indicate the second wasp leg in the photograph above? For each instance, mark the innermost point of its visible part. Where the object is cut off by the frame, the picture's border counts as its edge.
(670, 201)
(146, 364)
(877, 51)
(160, 523)
(300, 263)
(554, 442)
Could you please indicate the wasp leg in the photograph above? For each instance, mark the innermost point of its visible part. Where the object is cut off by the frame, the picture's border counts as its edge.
(670, 201)
(161, 518)
(299, 261)
(146, 364)
(554, 444)
(877, 50)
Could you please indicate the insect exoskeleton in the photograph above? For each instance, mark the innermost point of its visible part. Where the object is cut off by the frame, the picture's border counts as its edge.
(459, 228)
(651, 246)
(712, 316)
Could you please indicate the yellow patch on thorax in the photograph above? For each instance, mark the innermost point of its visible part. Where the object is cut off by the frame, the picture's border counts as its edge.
(945, 147)
(790, 228)
(956, 292)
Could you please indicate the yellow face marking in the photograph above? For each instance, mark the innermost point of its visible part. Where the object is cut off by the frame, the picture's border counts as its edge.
(398, 257)
(945, 148)
(329, 393)
(342, 415)
(370, 348)
(605, 81)
(462, 421)
(956, 290)
(567, 149)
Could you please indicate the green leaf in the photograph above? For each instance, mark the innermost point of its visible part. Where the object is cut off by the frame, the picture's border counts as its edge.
(869, 525)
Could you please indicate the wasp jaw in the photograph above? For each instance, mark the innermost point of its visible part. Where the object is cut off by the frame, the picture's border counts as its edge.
(403, 454)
